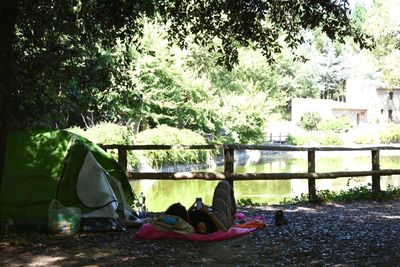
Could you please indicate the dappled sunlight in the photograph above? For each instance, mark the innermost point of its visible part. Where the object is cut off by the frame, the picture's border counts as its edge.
(303, 210)
(395, 217)
(46, 261)
(336, 205)
(385, 215)
(60, 258)
(173, 84)
(103, 253)
(344, 232)
(34, 157)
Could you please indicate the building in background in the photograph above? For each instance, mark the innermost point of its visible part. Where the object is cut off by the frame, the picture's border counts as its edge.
(366, 101)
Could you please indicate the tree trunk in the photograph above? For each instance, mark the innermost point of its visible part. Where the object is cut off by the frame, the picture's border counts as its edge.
(8, 12)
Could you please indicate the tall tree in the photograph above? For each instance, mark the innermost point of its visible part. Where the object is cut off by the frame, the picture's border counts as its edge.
(386, 34)
(7, 22)
(382, 22)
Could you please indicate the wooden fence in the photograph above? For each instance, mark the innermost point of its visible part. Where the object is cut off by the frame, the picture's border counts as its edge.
(229, 160)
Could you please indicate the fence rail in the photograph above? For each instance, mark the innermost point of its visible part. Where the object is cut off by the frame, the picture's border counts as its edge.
(229, 159)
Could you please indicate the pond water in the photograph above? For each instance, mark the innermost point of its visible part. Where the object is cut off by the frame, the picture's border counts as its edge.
(160, 194)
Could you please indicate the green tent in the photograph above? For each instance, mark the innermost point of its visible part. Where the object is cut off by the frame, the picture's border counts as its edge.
(44, 165)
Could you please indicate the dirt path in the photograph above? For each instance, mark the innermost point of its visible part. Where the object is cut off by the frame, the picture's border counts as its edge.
(352, 234)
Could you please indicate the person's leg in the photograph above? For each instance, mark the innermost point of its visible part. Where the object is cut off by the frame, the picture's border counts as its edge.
(233, 202)
(224, 205)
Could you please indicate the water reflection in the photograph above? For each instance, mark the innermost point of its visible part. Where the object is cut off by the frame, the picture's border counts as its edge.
(161, 194)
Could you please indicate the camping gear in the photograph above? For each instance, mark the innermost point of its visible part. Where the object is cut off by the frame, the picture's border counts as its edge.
(171, 223)
(63, 221)
(142, 206)
(44, 165)
(280, 219)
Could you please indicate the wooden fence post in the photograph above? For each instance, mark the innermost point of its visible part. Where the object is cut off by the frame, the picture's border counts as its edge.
(376, 178)
(312, 194)
(122, 158)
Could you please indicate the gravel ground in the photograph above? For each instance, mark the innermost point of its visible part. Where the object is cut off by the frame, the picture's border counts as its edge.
(349, 234)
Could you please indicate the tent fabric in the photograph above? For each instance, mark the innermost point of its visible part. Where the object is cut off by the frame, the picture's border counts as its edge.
(117, 187)
(31, 173)
(108, 211)
(41, 165)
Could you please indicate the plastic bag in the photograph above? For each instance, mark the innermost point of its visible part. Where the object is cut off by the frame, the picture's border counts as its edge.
(63, 221)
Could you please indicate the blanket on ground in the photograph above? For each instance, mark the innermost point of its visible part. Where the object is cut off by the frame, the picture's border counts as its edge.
(249, 224)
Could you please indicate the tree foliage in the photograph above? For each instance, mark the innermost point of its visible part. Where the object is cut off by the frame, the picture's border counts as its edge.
(164, 134)
(257, 23)
(310, 120)
(78, 62)
(59, 50)
(381, 22)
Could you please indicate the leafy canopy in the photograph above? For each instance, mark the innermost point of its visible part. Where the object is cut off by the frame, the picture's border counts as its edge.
(246, 23)
(258, 23)
(93, 59)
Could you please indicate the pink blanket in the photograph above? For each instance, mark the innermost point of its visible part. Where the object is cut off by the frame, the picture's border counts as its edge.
(148, 231)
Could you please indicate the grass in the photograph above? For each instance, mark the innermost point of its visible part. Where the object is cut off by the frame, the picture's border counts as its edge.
(360, 193)
(249, 202)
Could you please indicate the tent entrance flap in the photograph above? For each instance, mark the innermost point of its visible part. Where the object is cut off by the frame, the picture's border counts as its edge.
(97, 189)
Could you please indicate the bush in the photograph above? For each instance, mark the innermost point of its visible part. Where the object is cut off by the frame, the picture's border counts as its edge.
(336, 125)
(105, 133)
(366, 138)
(390, 135)
(366, 134)
(291, 140)
(299, 140)
(248, 202)
(110, 134)
(330, 139)
(309, 121)
(315, 138)
(165, 135)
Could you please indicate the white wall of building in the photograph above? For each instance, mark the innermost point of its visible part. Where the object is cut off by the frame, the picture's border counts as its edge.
(375, 97)
(367, 101)
(385, 105)
(304, 105)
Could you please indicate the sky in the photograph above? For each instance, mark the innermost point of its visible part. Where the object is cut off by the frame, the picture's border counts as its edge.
(354, 2)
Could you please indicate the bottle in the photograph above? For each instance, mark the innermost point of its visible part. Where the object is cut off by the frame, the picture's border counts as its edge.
(142, 199)
(199, 203)
(142, 205)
